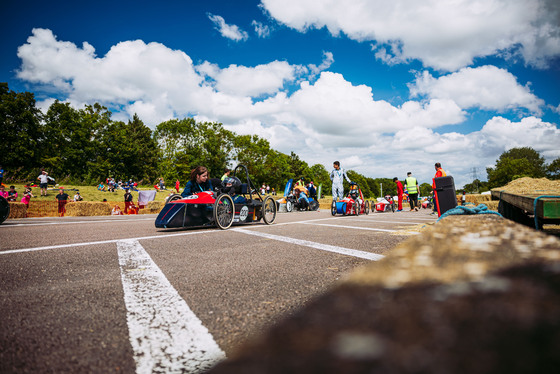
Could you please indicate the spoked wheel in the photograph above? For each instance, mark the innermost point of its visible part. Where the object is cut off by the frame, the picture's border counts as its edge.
(333, 208)
(356, 208)
(174, 197)
(314, 205)
(289, 206)
(367, 208)
(224, 210)
(268, 210)
(4, 209)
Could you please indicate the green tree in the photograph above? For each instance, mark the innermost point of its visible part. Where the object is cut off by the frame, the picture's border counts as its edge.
(425, 189)
(516, 163)
(20, 132)
(553, 169)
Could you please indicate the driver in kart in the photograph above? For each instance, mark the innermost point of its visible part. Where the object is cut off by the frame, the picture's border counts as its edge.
(355, 194)
(199, 182)
(232, 186)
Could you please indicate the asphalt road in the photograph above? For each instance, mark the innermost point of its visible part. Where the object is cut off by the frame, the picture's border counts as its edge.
(115, 294)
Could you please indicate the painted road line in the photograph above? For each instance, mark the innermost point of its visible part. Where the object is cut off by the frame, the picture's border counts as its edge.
(349, 227)
(75, 222)
(163, 236)
(378, 221)
(166, 336)
(323, 247)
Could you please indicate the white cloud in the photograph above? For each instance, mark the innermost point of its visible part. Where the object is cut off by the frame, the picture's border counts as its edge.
(232, 32)
(262, 30)
(486, 87)
(446, 35)
(250, 81)
(327, 118)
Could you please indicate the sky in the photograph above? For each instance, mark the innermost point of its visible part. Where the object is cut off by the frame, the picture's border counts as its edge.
(384, 87)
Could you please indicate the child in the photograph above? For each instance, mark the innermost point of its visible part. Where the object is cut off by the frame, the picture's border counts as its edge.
(3, 191)
(27, 195)
(12, 194)
(116, 211)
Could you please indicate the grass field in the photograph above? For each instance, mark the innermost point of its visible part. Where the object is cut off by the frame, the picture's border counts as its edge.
(89, 193)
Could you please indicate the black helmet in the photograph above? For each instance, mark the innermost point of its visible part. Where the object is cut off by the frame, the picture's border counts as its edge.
(232, 184)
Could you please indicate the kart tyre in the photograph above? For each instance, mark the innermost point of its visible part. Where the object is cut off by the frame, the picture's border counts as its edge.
(4, 209)
(333, 208)
(314, 205)
(269, 210)
(174, 197)
(224, 211)
(289, 206)
(356, 207)
(393, 207)
(366, 209)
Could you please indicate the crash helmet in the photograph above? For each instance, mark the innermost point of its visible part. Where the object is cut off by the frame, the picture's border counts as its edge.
(232, 184)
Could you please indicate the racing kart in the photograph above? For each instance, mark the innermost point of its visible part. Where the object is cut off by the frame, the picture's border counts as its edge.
(385, 204)
(4, 209)
(291, 200)
(353, 203)
(239, 203)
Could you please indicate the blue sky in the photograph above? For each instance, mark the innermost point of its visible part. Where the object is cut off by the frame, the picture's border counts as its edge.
(385, 87)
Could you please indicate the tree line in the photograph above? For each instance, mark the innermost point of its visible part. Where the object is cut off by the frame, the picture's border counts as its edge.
(85, 146)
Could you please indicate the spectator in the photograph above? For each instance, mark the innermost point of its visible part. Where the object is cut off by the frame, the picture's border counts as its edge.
(116, 211)
(62, 198)
(267, 189)
(464, 198)
(227, 172)
(312, 190)
(78, 197)
(127, 201)
(177, 185)
(1, 174)
(161, 184)
(12, 194)
(199, 182)
(400, 192)
(3, 191)
(44, 182)
(27, 195)
(101, 187)
(301, 197)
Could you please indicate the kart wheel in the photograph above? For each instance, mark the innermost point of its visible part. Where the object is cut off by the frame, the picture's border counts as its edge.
(289, 206)
(393, 207)
(367, 208)
(268, 210)
(356, 208)
(314, 205)
(224, 210)
(333, 208)
(174, 197)
(4, 209)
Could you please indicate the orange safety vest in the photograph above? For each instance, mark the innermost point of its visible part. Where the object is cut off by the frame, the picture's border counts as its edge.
(442, 174)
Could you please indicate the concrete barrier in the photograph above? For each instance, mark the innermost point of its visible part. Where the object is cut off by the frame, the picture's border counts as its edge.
(472, 294)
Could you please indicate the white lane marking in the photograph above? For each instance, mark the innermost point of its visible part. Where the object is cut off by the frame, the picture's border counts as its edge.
(77, 222)
(105, 242)
(349, 227)
(377, 221)
(166, 336)
(323, 247)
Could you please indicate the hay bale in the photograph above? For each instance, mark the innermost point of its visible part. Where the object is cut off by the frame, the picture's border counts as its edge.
(153, 207)
(528, 185)
(17, 210)
(474, 198)
(492, 205)
(88, 208)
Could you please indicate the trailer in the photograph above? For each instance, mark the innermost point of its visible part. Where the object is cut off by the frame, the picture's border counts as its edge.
(534, 209)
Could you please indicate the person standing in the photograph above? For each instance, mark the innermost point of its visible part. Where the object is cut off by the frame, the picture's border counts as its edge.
(27, 195)
(227, 172)
(43, 182)
(400, 191)
(177, 185)
(62, 198)
(413, 188)
(127, 201)
(439, 173)
(337, 178)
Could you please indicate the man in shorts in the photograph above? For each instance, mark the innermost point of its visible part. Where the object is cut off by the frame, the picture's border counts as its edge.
(43, 182)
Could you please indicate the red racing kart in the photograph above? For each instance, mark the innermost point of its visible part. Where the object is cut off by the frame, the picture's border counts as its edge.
(239, 203)
(353, 203)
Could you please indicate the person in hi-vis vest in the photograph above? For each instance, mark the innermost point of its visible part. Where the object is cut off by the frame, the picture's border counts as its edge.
(413, 189)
